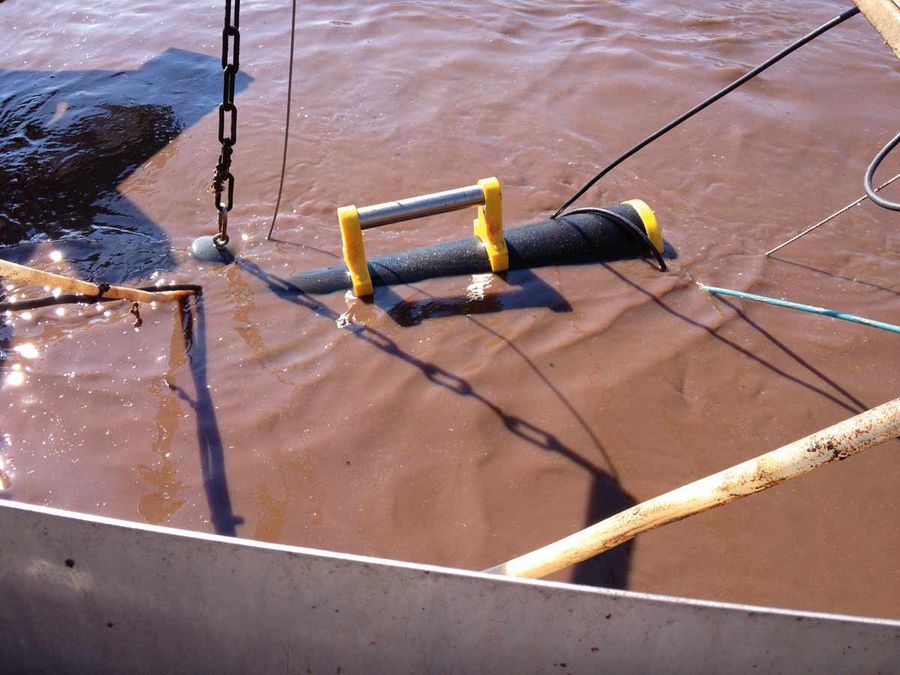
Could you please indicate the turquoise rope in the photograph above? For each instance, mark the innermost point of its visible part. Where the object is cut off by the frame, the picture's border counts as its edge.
(803, 308)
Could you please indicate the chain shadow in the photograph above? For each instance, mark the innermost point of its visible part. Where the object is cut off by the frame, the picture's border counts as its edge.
(209, 439)
(609, 569)
(857, 405)
(534, 292)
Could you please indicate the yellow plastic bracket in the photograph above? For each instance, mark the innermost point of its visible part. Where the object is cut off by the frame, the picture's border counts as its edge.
(489, 225)
(354, 251)
(648, 218)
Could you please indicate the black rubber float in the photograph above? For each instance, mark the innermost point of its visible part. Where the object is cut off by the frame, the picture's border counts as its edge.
(576, 238)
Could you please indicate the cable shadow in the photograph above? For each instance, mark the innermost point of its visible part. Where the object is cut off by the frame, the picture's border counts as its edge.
(534, 293)
(780, 345)
(209, 439)
(857, 406)
(299, 244)
(610, 569)
(833, 275)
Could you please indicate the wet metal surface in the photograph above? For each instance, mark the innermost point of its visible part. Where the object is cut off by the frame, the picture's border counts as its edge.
(131, 598)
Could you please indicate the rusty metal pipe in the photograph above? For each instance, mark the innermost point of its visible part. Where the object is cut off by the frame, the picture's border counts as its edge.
(837, 442)
(30, 275)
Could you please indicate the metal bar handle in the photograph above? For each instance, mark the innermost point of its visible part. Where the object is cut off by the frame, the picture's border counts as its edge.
(487, 226)
(419, 207)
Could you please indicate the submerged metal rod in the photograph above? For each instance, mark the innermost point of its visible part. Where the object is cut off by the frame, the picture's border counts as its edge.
(829, 218)
(418, 207)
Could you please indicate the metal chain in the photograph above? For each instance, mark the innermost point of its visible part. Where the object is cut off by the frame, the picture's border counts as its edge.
(223, 181)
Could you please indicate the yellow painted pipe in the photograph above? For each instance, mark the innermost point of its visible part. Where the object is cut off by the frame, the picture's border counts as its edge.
(29, 275)
(837, 442)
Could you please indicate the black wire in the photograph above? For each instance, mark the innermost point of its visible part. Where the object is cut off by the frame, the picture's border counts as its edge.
(712, 99)
(870, 175)
(630, 227)
(76, 298)
(287, 121)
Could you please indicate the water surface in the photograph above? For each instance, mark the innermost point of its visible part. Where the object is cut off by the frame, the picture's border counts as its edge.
(462, 421)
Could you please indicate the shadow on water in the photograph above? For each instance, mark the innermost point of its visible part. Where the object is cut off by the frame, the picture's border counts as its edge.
(833, 275)
(68, 139)
(854, 406)
(209, 439)
(794, 355)
(607, 497)
(531, 292)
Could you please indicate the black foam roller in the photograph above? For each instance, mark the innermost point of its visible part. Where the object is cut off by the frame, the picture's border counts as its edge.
(576, 238)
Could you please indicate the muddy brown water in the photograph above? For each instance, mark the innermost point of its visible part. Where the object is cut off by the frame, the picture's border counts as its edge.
(462, 421)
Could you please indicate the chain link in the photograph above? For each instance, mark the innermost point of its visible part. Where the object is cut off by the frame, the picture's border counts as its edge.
(223, 181)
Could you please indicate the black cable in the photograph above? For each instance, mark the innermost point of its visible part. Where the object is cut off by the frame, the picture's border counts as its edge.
(870, 175)
(287, 121)
(78, 298)
(630, 227)
(712, 99)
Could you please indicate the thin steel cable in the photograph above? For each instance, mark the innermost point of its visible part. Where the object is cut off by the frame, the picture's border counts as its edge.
(829, 218)
(707, 102)
(287, 121)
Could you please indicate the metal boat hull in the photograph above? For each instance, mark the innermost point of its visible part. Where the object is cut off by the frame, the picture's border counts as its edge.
(83, 594)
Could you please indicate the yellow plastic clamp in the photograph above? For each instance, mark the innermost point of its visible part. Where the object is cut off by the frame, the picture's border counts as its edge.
(648, 218)
(489, 224)
(354, 251)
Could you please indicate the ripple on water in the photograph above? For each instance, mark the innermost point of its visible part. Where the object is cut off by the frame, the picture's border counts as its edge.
(434, 437)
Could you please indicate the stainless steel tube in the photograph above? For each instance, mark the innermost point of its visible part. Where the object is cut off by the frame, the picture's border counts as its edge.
(418, 207)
